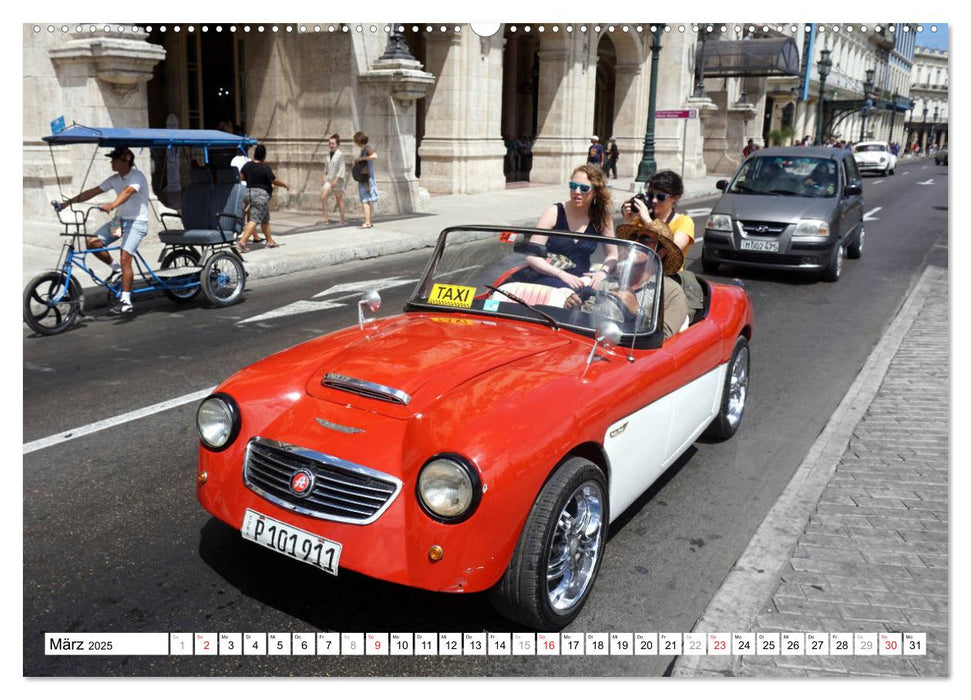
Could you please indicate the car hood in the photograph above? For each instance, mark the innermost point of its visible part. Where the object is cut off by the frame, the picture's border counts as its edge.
(786, 208)
(874, 156)
(401, 368)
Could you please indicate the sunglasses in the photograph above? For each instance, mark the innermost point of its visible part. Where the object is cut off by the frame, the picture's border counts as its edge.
(577, 186)
(659, 196)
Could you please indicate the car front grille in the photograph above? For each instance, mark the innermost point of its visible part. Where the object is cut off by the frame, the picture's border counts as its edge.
(762, 228)
(342, 491)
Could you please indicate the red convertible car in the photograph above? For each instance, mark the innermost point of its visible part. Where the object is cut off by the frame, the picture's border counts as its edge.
(485, 438)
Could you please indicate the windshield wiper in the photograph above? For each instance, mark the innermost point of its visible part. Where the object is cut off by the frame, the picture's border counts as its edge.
(787, 193)
(553, 322)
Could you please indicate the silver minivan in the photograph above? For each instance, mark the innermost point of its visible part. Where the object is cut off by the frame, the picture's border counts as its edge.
(795, 208)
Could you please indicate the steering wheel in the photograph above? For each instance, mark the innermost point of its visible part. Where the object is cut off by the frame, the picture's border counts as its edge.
(601, 296)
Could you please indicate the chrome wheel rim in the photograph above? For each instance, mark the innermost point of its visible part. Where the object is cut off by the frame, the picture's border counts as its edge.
(737, 387)
(576, 547)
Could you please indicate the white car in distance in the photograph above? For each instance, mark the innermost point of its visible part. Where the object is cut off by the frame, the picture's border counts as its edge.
(874, 156)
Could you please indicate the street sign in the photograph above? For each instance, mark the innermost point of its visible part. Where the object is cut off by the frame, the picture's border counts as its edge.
(676, 114)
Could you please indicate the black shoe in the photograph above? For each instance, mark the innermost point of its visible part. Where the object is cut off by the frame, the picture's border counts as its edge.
(113, 278)
(121, 308)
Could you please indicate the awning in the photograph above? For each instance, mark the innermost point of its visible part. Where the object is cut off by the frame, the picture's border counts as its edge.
(720, 59)
(150, 138)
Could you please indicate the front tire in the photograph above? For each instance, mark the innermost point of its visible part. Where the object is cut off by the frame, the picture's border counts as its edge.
(223, 279)
(855, 250)
(49, 308)
(835, 268)
(734, 393)
(186, 257)
(559, 551)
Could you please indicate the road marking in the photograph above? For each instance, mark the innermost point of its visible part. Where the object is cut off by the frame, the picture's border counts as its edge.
(112, 422)
(929, 182)
(698, 212)
(869, 216)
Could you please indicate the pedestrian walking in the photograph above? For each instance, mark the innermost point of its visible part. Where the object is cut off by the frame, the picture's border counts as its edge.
(750, 148)
(334, 179)
(260, 181)
(595, 154)
(613, 153)
(363, 172)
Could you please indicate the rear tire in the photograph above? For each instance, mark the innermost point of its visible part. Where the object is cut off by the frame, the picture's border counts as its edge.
(559, 551)
(40, 313)
(734, 393)
(186, 257)
(223, 279)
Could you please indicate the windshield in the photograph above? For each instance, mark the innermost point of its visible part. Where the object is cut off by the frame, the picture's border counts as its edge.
(786, 176)
(870, 147)
(487, 271)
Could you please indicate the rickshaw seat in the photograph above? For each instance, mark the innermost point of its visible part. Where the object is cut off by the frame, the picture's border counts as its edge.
(212, 209)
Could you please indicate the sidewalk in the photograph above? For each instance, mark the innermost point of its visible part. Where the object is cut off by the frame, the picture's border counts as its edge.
(858, 541)
(307, 245)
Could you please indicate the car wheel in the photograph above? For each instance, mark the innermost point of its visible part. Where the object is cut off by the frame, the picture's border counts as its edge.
(855, 250)
(835, 268)
(559, 551)
(734, 393)
(223, 279)
(49, 308)
(187, 258)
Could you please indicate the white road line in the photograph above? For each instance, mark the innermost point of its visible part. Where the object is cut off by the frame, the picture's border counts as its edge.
(112, 422)
(869, 216)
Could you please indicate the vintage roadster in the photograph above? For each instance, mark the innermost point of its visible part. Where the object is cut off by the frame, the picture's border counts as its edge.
(485, 438)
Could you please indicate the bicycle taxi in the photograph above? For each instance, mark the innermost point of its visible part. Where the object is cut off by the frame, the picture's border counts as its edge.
(198, 253)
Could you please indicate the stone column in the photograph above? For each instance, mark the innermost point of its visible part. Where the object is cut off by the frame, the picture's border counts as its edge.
(462, 150)
(630, 104)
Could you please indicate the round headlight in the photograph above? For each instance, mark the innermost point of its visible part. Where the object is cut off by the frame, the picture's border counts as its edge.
(217, 421)
(448, 489)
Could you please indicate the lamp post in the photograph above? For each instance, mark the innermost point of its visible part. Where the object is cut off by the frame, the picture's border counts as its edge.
(867, 89)
(923, 129)
(648, 165)
(396, 49)
(934, 129)
(893, 115)
(824, 66)
(910, 129)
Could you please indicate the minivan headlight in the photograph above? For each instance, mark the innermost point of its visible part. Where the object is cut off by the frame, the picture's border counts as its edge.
(449, 488)
(812, 228)
(719, 222)
(217, 421)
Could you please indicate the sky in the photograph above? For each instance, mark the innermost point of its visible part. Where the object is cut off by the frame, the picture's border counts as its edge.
(932, 39)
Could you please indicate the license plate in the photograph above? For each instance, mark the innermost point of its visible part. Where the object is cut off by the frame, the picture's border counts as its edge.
(292, 541)
(767, 246)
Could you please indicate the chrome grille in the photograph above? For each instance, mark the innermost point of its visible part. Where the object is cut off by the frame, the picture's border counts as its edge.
(342, 491)
(762, 228)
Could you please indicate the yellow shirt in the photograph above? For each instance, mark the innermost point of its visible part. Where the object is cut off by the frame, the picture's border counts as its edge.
(682, 223)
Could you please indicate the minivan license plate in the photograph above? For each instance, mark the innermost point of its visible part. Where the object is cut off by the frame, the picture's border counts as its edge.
(285, 539)
(766, 246)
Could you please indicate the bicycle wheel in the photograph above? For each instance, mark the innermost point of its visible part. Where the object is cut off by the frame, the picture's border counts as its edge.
(186, 257)
(49, 308)
(223, 279)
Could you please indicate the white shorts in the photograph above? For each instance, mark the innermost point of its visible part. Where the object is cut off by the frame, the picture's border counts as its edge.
(337, 190)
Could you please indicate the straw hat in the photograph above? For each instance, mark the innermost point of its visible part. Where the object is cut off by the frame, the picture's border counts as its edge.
(656, 232)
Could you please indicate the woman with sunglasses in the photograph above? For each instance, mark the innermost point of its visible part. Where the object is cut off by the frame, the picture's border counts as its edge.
(664, 189)
(587, 211)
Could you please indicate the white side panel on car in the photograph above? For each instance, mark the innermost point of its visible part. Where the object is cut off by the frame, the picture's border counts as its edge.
(642, 445)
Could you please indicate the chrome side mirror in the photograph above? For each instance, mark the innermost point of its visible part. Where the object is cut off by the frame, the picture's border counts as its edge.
(370, 301)
(608, 335)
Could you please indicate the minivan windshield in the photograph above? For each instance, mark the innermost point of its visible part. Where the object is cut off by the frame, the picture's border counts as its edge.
(800, 176)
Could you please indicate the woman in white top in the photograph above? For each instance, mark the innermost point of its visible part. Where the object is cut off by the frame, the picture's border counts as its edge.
(334, 180)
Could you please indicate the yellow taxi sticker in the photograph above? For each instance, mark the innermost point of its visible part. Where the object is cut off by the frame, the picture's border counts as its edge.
(452, 295)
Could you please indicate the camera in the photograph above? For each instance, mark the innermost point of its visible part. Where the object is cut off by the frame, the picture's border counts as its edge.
(648, 202)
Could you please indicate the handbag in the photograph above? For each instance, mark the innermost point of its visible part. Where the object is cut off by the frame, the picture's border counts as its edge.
(360, 172)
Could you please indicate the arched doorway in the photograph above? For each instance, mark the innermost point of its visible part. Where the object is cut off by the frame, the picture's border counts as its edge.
(520, 97)
(603, 104)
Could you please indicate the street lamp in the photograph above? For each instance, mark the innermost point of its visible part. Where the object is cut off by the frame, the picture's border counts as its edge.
(923, 129)
(867, 89)
(934, 129)
(824, 66)
(893, 114)
(648, 165)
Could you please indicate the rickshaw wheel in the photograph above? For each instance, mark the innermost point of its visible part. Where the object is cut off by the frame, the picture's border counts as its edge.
(43, 315)
(223, 279)
(186, 257)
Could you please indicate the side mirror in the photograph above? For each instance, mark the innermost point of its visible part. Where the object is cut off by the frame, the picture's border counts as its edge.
(608, 335)
(722, 185)
(526, 248)
(852, 190)
(370, 301)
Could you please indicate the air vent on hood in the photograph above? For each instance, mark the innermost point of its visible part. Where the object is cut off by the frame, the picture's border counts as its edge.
(365, 388)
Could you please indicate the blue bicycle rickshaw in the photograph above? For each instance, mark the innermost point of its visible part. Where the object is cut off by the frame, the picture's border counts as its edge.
(197, 256)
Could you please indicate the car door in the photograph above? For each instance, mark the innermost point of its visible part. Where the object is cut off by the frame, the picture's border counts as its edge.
(850, 207)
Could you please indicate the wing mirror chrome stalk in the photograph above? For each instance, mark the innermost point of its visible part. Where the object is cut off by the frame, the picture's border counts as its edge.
(608, 335)
(370, 301)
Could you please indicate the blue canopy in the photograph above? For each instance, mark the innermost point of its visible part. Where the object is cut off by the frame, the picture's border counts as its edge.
(151, 138)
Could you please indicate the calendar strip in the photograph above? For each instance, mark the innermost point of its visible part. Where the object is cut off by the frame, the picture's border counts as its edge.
(487, 644)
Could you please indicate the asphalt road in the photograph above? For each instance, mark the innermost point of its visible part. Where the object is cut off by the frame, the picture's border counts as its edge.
(114, 540)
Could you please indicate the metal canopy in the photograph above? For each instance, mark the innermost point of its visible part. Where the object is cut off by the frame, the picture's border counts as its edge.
(149, 138)
(721, 59)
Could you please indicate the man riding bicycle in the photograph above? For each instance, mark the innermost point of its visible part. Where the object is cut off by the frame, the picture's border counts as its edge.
(131, 201)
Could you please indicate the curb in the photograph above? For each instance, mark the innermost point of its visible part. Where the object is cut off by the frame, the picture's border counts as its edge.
(755, 576)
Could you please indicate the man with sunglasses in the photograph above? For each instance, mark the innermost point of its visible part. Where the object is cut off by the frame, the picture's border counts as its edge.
(664, 189)
(636, 282)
